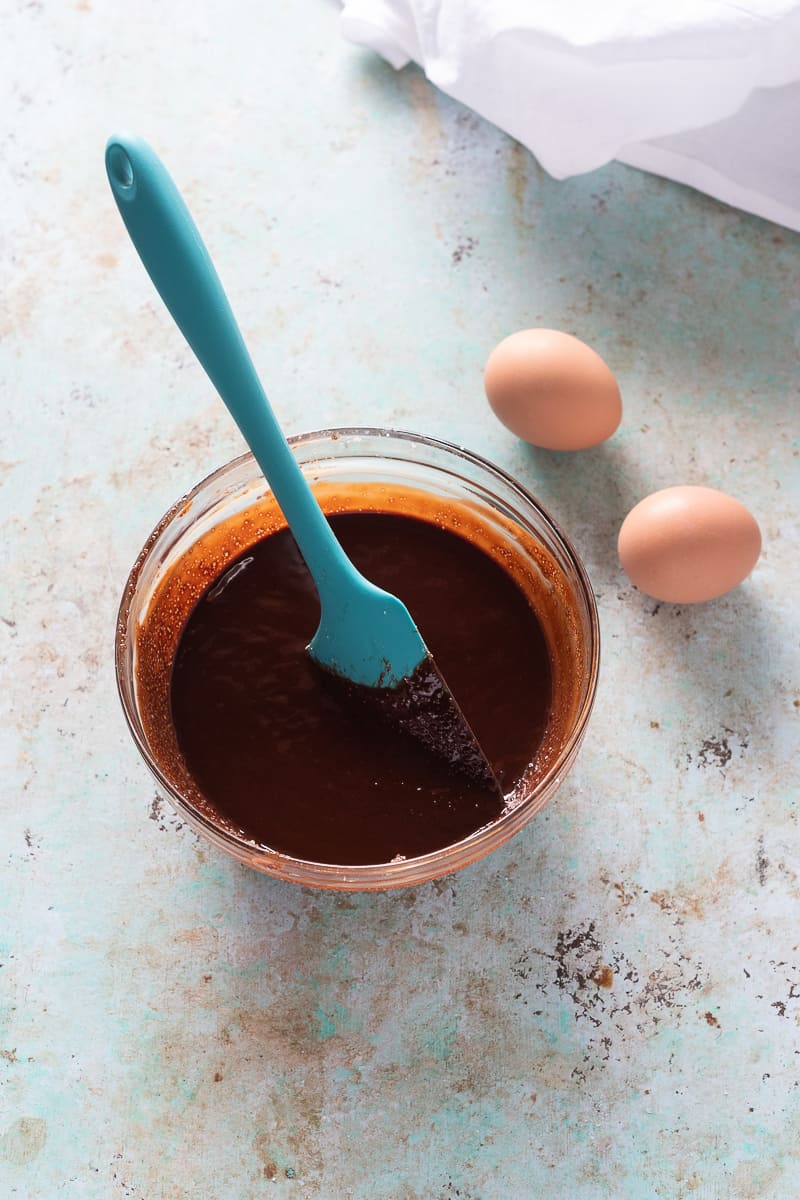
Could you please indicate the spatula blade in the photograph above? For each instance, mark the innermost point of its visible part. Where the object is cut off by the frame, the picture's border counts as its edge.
(422, 706)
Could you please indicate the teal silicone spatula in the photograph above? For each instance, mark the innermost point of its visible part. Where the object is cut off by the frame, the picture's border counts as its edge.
(366, 636)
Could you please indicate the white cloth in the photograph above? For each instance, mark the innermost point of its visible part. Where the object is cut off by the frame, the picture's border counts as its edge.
(706, 92)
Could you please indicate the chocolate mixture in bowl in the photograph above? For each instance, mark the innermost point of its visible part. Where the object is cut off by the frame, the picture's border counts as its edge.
(287, 756)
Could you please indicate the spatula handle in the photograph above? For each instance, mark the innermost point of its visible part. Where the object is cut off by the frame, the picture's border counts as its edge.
(175, 257)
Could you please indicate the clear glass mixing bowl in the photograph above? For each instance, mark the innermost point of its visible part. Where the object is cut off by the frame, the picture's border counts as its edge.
(493, 508)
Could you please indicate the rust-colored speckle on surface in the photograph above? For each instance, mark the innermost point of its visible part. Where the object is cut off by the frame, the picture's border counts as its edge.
(603, 976)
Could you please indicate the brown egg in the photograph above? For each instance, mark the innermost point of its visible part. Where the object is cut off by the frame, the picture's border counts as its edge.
(688, 544)
(552, 390)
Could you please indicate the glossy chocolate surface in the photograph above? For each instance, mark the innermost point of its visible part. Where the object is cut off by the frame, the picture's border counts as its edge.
(282, 754)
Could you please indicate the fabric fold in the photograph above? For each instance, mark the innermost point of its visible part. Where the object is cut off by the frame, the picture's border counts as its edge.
(705, 92)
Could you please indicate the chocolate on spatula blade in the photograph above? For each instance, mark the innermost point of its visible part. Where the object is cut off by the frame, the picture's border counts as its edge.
(422, 706)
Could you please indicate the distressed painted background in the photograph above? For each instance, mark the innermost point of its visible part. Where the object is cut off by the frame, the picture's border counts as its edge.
(608, 1007)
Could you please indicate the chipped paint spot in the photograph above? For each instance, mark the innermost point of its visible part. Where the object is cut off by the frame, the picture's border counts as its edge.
(23, 1141)
(694, 900)
(520, 163)
(464, 249)
(714, 751)
(423, 100)
(755, 1179)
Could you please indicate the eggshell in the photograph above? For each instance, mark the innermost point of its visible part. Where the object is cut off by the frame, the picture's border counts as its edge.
(688, 544)
(552, 390)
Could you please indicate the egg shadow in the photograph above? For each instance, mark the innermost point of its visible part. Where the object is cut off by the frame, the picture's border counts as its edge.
(730, 649)
(588, 493)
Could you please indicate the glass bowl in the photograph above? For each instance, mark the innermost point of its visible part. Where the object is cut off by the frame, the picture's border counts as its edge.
(234, 507)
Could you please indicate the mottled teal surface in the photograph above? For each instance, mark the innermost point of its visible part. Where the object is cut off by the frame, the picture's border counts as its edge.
(174, 1027)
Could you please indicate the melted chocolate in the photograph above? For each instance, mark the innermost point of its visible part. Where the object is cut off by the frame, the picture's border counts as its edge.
(284, 755)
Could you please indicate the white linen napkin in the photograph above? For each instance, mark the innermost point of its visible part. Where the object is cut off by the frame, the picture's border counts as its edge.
(706, 92)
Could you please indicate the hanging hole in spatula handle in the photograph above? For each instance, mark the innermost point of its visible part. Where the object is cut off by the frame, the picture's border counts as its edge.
(170, 246)
(120, 171)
